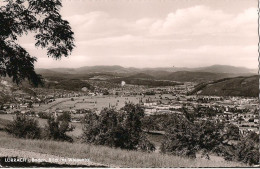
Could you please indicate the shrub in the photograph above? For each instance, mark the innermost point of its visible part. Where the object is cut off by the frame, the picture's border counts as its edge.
(57, 129)
(247, 150)
(231, 132)
(44, 115)
(117, 129)
(185, 138)
(24, 127)
(180, 138)
(65, 116)
(209, 134)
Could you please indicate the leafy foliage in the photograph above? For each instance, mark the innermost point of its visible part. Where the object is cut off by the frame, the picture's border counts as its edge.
(65, 116)
(232, 132)
(57, 129)
(180, 138)
(24, 127)
(44, 115)
(42, 18)
(247, 150)
(185, 138)
(117, 129)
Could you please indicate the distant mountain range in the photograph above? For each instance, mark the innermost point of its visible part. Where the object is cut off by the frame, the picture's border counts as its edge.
(202, 74)
(120, 69)
(213, 80)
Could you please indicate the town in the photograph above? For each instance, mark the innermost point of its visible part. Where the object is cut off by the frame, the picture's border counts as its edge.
(240, 111)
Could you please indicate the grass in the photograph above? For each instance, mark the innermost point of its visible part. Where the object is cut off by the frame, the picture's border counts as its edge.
(106, 155)
(101, 102)
(78, 103)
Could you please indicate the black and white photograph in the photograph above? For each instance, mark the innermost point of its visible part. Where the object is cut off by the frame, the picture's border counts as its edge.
(129, 84)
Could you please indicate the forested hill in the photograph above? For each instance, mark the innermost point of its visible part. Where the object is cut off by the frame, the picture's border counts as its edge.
(238, 86)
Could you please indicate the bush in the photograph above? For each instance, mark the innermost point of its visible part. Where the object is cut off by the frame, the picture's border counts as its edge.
(65, 116)
(209, 135)
(24, 127)
(231, 132)
(180, 138)
(186, 138)
(117, 129)
(247, 150)
(57, 129)
(44, 115)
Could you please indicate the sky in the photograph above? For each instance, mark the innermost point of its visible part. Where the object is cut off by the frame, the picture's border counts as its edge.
(158, 33)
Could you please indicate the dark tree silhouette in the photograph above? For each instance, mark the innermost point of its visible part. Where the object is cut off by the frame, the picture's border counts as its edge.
(42, 18)
(24, 127)
(119, 129)
(57, 129)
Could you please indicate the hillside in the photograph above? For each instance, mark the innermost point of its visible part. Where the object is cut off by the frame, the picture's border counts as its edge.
(131, 70)
(104, 155)
(225, 69)
(186, 76)
(141, 76)
(182, 74)
(94, 69)
(143, 79)
(238, 86)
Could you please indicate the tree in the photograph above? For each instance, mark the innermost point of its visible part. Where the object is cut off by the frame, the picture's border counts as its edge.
(120, 129)
(24, 127)
(42, 18)
(65, 116)
(57, 129)
(180, 138)
(247, 150)
(101, 129)
(209, 134)
(185, 138)
(231, 132)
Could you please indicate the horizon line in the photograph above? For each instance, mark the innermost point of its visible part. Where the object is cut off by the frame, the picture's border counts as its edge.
(144, 67)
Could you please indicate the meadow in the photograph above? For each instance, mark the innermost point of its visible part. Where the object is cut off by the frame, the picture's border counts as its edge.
(96, 102)
(108, 156)
(86, 102)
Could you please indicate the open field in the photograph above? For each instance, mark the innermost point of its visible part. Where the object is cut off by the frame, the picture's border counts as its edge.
(108, 156)
(91, 102)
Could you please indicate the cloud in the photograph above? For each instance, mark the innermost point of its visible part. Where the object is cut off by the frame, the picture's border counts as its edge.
(197, 20)
(201, 20)
(192, 36)
(193, 20)
(97, 24)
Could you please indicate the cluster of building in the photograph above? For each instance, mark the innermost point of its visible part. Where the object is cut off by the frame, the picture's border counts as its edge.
(242, 112)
